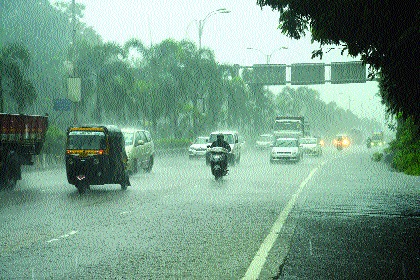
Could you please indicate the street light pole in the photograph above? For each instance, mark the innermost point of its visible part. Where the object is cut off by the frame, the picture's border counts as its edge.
(201, 23)
(73, 53)
(341, 93)
(268, 56)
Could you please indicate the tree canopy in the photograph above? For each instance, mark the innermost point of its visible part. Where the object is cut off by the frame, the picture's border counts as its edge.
(385, 33)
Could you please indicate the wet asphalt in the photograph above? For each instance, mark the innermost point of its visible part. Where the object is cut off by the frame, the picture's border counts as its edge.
(352, 219)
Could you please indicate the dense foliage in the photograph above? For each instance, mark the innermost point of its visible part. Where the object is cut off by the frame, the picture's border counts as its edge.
(385, 33)
(406, 147)
(171, 88)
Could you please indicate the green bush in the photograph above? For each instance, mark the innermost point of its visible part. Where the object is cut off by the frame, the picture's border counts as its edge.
(377, 156)
(406, 148)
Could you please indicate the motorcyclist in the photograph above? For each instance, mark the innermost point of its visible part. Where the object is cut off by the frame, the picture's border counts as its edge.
(220, 142)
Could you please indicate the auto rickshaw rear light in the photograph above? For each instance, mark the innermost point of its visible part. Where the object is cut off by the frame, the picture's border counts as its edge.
(100, 152)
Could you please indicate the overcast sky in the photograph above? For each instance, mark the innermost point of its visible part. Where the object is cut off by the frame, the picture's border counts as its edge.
(229, 35)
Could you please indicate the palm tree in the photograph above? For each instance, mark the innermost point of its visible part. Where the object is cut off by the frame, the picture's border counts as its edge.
(14, 59)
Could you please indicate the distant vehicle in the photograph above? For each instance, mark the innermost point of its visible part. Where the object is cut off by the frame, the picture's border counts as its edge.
(264, 141)
(232, 137)
(341, 141)
(140, 149)
(311, 146)
(22, 136)
(199, 147)
(95, 155)
(376, 140)
(286, 149)
(290, 127)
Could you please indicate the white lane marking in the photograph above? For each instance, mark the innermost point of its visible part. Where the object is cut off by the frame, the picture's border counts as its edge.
(52, 240)
(260, 258)
(73, 232)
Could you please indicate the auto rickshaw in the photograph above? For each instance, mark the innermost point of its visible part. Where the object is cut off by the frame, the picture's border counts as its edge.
(95, 155)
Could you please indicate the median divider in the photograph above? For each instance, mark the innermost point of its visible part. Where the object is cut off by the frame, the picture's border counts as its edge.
(172, 152)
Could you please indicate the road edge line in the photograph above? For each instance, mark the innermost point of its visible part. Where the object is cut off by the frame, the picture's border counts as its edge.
(260, 258)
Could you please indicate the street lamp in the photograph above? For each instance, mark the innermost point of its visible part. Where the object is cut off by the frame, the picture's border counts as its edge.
(341, 93)
(201, 23)
(268, 56)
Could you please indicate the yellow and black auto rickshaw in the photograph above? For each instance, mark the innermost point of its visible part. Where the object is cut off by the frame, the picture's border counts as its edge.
(95, 155)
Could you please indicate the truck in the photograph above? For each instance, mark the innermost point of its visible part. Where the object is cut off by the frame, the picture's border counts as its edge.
(289, 127)
(21, 137)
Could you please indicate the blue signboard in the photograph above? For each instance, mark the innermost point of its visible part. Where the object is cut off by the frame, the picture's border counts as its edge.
(62, 104)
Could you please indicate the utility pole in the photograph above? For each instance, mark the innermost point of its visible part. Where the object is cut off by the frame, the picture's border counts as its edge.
(73, 21)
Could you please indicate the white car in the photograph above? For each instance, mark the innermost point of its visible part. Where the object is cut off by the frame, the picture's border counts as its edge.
(286, 149)
(140, 149)
(311, 146)
(199, 147)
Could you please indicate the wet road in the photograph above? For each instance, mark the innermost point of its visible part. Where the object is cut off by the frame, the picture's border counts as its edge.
(339, 216)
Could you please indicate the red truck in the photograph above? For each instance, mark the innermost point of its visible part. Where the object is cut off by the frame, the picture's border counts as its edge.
(21, 137)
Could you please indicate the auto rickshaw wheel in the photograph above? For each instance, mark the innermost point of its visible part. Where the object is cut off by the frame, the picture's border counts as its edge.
(82, 187)
(10, 181)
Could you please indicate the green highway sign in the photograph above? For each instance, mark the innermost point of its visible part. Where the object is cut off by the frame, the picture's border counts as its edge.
(307, 73)
(348, 72)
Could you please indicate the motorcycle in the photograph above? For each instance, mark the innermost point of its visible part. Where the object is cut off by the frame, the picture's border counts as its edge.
(218, 162)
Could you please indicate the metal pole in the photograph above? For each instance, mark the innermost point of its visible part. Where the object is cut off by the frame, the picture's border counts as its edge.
(200, 33)
(268, 56)
(201, 23)
(73, 53)
(349, 102)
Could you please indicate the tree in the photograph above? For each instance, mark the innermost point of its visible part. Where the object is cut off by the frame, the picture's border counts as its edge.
(14, 59)
(386, 34)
